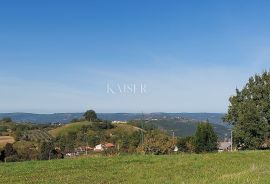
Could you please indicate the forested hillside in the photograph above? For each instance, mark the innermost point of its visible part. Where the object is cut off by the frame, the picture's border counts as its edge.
(215, 118)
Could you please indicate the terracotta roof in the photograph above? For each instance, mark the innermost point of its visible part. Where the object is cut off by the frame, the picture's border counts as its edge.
(88, 148)
(109, 145)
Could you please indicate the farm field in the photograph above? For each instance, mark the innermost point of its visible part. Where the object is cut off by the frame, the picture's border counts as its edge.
(239, 167)
(39, 135)
(6, 139)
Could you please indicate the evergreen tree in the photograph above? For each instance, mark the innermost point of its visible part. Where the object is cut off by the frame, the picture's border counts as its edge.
(205, 139)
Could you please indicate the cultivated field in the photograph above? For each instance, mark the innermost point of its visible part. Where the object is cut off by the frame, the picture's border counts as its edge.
(39, 135)
(242, 167)
(6, 139)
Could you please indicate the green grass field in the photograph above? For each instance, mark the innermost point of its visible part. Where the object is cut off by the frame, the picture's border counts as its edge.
(75, 127)
(65, 129)
(242, 167)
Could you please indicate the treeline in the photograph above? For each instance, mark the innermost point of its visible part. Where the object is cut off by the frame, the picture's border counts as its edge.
(204, 140)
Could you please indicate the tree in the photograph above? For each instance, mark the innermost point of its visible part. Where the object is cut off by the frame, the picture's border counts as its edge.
(90, 115)
(9, 150)
(7, 119)
(205, 139)
(185, 144)
(157, 143)
(3, 128)
(46, 149)
(2, 156)
(148, 126)
(10, 153)
(26, 150)
(67, 142)
(98, 126)
(249, 113)
(74, 120)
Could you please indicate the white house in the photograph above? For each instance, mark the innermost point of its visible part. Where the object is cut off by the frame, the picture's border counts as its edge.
(224, 146)
(99, 147)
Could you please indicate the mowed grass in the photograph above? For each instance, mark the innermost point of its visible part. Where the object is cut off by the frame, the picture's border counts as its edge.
(241, 167)
(6, 139)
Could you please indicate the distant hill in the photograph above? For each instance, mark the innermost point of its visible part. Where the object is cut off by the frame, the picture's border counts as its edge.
(215, 118)
(41, 118)
(187, 127)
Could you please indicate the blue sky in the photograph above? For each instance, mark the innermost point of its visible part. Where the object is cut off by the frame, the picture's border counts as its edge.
(60, 56)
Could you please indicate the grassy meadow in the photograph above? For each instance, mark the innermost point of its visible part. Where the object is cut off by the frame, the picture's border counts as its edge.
(239, 167)
(65, 129)
(75, 127)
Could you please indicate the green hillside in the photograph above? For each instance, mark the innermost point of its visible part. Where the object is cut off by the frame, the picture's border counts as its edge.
(65, 129)
(75, 127)
(239, 167)
(186, 127)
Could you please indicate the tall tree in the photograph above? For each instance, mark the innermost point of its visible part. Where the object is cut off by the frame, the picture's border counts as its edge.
(46, 149)
(185, 144)
(10, 153)
(90, 115)
(205, 139)
(2, 156)
(9, 150)
(249, 112)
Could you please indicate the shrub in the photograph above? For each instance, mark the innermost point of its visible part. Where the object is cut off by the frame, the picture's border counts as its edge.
(157, 143)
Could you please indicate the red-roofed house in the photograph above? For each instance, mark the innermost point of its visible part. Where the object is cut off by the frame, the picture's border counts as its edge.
(109, 145)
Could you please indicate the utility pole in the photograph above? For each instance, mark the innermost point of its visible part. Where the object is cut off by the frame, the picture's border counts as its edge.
(173, 137)
(86, 140)
(50, 154)
(231, 140)
(142, 136)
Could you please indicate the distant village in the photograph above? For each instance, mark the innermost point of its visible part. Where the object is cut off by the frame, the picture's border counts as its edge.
(87, 149)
